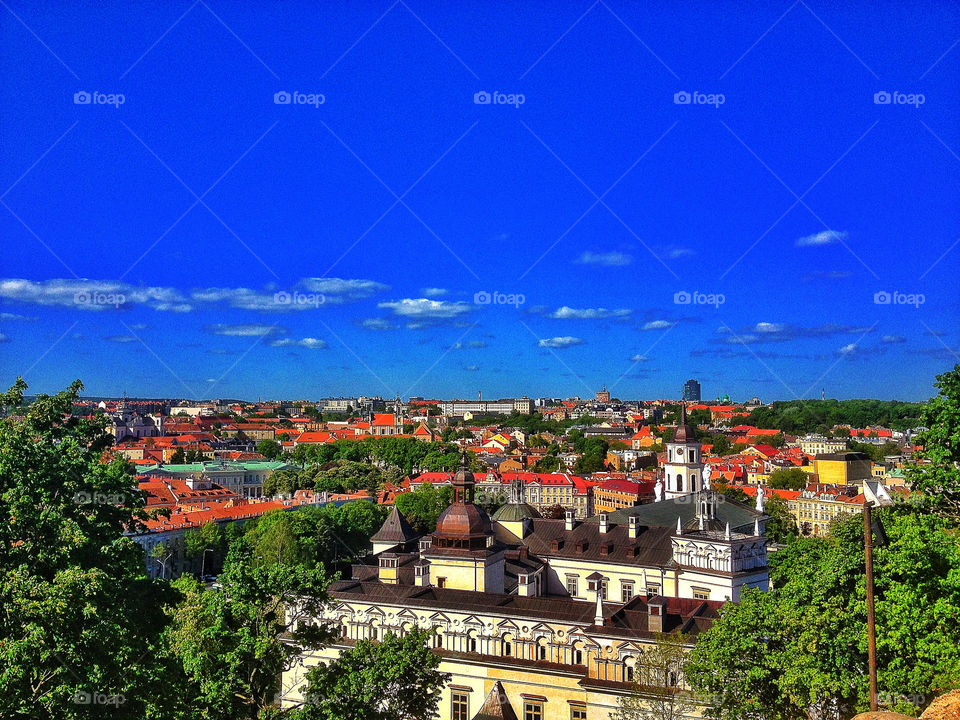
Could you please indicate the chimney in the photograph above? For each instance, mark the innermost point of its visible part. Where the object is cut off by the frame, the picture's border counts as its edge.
(525, 585)
(569, 520)
(634, 525)
(422, 572)
(603, 523)
(656, 609)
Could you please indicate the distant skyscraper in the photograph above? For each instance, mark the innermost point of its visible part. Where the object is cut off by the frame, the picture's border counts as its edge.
(691, 391)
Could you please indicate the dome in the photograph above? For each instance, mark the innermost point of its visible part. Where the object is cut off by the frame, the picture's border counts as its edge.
(463, 521)
(516, 511)
(464, 477)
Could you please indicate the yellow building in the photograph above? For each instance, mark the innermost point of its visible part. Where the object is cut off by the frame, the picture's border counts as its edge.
(546, 619)
(845, 468)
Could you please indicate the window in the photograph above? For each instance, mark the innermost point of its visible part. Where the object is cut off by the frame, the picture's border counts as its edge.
(441, 582)
(438, 640)
(473, 645)
(701, 594)
(458, 706)
(578, 657)
(507, 648)
(542, 653)
(532, 710)
(373, 633)
(653, 589)
(572, 585)
(578, 713)
(626, 591)
(603, 589)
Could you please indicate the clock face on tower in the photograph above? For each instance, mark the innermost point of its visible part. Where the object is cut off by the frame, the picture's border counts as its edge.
(679, 452)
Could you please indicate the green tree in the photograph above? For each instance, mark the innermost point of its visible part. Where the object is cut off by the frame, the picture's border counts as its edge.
(801, 648)
(178, 457)
(788, 479)
(423, 506)
(657, 691)
(80, 617)
(721, 445)
(781, 527)
(234, 643)
(395, 679)
(938, 479)
(270, 449)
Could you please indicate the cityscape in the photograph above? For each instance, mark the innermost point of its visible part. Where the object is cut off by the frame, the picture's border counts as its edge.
(480, 361)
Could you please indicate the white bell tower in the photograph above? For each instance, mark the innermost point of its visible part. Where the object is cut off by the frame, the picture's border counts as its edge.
(683, 469)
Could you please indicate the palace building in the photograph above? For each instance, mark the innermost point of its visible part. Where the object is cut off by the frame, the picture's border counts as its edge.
(541, 619)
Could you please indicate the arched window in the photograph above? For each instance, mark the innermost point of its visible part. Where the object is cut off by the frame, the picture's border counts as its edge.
(627, 672)
(473, 645)
(542, 653)
(679, 482)
(578, 657)
(373, 633)
(437, 640)
(693, 481)
(507, 648)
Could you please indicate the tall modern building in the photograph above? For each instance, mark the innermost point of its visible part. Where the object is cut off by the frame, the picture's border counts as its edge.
(691, 391)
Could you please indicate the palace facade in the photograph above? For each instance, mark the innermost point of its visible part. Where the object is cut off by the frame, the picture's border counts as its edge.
(540, 619)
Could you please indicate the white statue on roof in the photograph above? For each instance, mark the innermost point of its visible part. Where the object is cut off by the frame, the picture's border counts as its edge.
(707, 472)
(658, 490)
(761, 499)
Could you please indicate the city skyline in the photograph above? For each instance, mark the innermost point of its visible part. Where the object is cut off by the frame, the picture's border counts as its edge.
(420, 200)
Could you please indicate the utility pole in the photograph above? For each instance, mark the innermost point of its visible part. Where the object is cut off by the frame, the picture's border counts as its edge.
(871, 621)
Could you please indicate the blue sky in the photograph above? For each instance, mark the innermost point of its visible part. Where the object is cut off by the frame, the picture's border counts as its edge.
(200, 237)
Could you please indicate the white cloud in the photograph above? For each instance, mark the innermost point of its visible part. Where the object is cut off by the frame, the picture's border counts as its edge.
(608, 259)
(434, 292)
(848, 349)
(83, 294)
(827, 237)
(639, 358)
(891, 339)
(421, 308)
(245, 330)
(472, 368)
(14, 317)
(121, 339)
(658, 325)
(560, 342)
(310, 343)
(377, 324)
(338, 290)
(765, 327)
(569, 313)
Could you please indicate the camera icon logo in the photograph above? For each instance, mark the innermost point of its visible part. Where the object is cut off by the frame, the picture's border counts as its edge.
(281, 98)
(681, 98)
(82, 698)
(481, 298)
(81, 297)
(482, 98)
(882, 98)
(82, 98)
(281, 298)
(681, 298)
(882, 297)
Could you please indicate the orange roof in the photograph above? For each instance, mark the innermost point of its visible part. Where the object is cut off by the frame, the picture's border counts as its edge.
(384, 419)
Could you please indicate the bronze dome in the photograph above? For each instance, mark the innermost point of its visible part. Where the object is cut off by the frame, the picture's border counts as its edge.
(463, 521)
